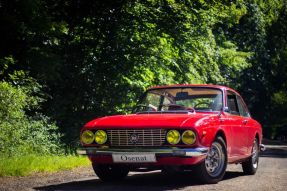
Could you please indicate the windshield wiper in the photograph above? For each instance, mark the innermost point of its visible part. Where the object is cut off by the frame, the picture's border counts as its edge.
(148, 107)
(178, 107)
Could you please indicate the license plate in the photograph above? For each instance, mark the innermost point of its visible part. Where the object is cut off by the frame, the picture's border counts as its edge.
(133, 157)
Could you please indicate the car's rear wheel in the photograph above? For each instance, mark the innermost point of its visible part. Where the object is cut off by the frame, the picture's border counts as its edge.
(212, 169)
(250, 166)
(110, 172)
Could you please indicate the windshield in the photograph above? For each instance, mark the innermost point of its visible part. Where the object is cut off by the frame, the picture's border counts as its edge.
(186, 98)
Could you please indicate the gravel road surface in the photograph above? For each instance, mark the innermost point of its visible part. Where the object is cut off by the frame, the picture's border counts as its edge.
(271, 175)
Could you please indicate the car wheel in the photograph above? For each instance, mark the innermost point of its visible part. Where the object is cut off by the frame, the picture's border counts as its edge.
(110, 172)
(212, 169)
(250, 166)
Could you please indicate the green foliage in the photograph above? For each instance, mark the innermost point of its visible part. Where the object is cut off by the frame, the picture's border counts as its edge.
(175, 42)
(278, 74)
(22, 129)
(30, 164)
(116, 55)
(263, 31)
(94, 58)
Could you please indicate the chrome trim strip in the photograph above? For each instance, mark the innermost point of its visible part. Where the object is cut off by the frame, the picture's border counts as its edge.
(185, 152)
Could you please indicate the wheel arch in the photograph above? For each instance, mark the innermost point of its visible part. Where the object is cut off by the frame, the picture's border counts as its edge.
(258, 138)
(221, 133)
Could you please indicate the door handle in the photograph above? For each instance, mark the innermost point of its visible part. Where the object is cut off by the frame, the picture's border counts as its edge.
(245, 121)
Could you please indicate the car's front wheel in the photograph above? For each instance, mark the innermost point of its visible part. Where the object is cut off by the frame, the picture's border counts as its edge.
(212, 169)
(250, 166)
(110, 172)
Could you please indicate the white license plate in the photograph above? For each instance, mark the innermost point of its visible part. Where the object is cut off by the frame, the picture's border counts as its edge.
(133, 157)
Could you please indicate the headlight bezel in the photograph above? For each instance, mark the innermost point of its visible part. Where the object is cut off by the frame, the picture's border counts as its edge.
(91, 139)
(175, 131)
(102, 132)
(184, 139)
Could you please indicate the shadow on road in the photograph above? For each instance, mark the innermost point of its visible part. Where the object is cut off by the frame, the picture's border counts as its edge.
(150, 181)
(155, 180)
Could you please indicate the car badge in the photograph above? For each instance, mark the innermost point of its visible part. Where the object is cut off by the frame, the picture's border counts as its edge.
(133, 138)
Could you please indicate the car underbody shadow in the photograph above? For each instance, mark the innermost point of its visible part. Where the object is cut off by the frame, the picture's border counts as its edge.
(147, 181)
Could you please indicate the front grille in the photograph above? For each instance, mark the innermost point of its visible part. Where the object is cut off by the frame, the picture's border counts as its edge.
(144, 137)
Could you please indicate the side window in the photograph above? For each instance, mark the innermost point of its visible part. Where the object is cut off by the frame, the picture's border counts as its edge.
(152, 99)
(166, 101)
(232, 103)
(242, 108)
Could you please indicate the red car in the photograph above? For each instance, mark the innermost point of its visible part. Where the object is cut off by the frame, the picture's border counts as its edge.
(197, 128)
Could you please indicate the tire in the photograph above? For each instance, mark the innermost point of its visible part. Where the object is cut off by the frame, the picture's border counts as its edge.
(213, 168)
(251, 165)
(108, 173)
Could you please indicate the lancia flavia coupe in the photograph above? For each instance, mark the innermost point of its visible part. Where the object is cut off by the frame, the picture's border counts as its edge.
(196, 128)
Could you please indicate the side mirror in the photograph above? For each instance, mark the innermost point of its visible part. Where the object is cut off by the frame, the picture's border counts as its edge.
(225, 109)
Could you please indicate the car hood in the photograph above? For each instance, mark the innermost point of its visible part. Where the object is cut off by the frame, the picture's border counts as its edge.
(148, 120)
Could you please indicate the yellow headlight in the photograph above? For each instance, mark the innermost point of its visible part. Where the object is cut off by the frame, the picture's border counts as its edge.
(173, 137)
(87, 137)
(188, 137)
(101, 137)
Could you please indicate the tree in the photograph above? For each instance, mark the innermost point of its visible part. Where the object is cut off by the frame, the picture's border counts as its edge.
(254, 33)
(95, 58)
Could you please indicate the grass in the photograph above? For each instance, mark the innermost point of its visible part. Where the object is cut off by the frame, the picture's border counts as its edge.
(26, 165)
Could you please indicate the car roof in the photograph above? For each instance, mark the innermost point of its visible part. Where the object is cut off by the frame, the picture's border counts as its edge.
(193, 85)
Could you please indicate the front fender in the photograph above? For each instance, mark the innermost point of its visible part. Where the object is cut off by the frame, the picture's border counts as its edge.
(209, 133)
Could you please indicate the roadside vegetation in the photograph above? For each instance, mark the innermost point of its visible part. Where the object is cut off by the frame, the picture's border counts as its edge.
(30, 164)
(63, 63)
(29, 141)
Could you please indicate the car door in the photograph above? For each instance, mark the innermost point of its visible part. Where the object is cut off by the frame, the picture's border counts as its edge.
(236, 123)
(246, 125)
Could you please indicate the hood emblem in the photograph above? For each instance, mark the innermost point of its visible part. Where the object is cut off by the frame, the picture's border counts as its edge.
(134, 138)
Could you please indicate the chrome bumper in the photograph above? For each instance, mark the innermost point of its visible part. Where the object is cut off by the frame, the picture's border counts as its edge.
(180, 152)
(262, 147)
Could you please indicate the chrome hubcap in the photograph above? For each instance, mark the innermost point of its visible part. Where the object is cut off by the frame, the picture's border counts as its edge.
(255, 154)
(215, 159)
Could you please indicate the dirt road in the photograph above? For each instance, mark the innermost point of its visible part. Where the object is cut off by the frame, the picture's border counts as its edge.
(271, 175)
